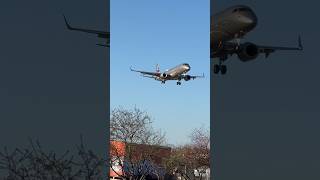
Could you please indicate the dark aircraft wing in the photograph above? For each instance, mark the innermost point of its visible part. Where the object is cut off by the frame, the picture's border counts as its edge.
(193, 77)
(230, 48)
(270, 49)
(100, 34)
(188, 77)
(151, 74)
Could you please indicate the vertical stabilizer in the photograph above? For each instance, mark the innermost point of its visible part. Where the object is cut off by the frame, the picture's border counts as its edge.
(157, 68)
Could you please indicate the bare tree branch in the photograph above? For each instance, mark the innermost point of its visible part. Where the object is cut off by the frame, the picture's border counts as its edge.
(36, 164)
(133, 127)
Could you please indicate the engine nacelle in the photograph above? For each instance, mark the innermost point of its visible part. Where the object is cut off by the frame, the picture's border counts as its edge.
(248, 51)
(187, 77)
(164, 75)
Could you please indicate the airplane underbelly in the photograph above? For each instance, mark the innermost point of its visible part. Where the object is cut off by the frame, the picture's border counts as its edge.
(217, 38)
(220, 36)
(223, 34)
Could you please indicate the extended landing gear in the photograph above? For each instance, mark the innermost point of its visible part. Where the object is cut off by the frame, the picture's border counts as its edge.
(220, 68)
(163, 82)
(178, 83)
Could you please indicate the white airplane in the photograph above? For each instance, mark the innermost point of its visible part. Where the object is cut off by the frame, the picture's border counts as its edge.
(177, 73)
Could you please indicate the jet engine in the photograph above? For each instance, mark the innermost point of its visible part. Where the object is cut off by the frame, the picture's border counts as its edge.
(164, 75)
(248, 51)
(187, 77)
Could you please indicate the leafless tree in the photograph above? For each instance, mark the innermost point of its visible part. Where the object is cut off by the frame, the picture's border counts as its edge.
(34, 163)
(133, 128)
(193, 156)
(200, 139)
(179, 164)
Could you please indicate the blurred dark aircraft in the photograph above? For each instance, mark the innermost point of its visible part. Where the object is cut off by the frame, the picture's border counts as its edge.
(100, 34)
(227, 28)
(176, 73)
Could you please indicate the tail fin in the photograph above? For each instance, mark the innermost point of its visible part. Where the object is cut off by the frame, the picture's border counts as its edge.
(67, 23)
(157, 68)
(300, 43)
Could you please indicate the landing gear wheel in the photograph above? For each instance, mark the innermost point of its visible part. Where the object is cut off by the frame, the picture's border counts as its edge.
(178, 83)
(223, 69)
(216, 68)
(163, 82)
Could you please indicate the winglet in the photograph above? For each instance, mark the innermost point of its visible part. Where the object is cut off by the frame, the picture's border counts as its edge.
(300, 43)
(67, 23)
(132, 68)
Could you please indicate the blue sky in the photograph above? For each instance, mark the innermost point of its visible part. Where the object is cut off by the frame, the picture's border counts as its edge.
(165, 32)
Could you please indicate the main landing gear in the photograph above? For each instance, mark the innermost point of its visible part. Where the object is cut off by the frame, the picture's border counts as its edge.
(220, 67)
(163, 82)
(178, 83)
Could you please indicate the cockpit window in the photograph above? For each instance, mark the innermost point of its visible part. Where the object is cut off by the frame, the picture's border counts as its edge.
(185, 64)
(239, 9)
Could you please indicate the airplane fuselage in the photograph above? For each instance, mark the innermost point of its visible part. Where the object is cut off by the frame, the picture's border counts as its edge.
(174, 73)
(232, 23)
(180, 69)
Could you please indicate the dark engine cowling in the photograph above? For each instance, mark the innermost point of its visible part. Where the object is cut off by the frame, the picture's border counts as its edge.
(164, 75)
(187, 77)
(248, 51)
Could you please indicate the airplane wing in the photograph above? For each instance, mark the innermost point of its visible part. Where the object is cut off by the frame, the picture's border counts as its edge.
(151, 74)
(270, 49)
(187, 77)
(100, 34)
(193, 77)
(230, 48)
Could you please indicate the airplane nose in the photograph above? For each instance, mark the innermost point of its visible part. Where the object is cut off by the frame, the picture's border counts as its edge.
(250, 20)
(188, 67)
(247, 20)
